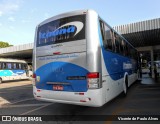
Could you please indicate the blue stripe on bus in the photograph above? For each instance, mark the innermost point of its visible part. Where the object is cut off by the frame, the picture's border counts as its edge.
(11, 72)
(114, 62)
(58, 72)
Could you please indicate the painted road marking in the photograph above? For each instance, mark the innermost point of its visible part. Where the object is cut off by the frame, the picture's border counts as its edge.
(22, 100)
(24, 105)
(3, 102)
(25, 113)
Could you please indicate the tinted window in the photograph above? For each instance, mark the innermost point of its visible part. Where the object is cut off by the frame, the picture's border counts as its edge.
(4, 65)
(9, 66)
(112, 41)
(102, 29)
(117, 43)
(20, 66)
(14, 65)
(127, 50)
(62, 30)
(108, 38)
(24, 66)
(122, 47)
(0, 65)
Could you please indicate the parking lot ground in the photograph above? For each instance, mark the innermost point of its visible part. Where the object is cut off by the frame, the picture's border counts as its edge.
(142, 99)
(11, 84)
(9, 88)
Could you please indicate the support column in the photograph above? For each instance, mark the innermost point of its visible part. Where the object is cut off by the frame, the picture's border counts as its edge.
(152, 62)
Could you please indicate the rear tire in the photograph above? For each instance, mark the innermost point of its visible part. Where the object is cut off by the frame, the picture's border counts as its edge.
(125, 86)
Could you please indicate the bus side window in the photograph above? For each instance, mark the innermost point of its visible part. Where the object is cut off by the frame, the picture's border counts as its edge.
(9, 66)
(133, 53)
(102, 29)
(14, 65)
(108, 38)
(127, 50)
(4, 65)
(20, 66)
(117, 49)
(24, 66)
(122, 47)
(17, 66)
(0, 65)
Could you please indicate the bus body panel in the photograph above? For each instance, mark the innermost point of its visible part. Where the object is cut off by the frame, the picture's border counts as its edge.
(12, 74)
(67, 67)
(62, 64)
(76, 59)
(90, 98)
(114, 70)
(93, 44)
(12, 69)
(67, 64)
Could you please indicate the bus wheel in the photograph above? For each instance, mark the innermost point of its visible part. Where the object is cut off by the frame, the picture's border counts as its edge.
(125, 86)
(0, 80)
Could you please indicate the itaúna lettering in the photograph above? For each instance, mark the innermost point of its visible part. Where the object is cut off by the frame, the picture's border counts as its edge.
(73, 27)
(57, 32)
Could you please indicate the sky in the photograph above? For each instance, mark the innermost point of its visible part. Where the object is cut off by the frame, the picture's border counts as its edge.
(19, 18)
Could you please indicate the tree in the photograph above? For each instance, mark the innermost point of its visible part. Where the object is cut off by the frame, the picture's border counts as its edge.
(4, 44)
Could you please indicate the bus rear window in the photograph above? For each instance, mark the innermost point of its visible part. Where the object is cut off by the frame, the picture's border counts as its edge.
(61, 30)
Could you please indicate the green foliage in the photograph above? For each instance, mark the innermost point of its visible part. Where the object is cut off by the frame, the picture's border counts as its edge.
(4, 44)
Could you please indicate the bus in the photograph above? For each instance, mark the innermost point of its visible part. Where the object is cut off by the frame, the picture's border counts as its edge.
(79, 59)
(12, 69)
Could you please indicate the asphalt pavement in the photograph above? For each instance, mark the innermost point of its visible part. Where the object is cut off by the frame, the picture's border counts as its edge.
(143, 99)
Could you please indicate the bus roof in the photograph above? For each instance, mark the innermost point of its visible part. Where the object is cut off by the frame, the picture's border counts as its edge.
(63, 15)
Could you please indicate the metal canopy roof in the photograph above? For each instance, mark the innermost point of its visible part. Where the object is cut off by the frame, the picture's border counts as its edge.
(140, 34)
(21, 51)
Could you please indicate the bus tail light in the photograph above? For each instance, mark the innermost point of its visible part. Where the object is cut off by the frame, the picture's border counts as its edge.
(34, 79)
(34, 76)
(93, 80)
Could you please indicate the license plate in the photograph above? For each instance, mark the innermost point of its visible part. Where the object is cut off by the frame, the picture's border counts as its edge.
(57, 87)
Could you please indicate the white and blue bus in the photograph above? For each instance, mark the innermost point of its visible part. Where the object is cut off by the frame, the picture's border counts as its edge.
(12, 69)
(79, 59)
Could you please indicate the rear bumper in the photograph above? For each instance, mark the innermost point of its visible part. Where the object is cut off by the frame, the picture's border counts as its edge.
(90, 98)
